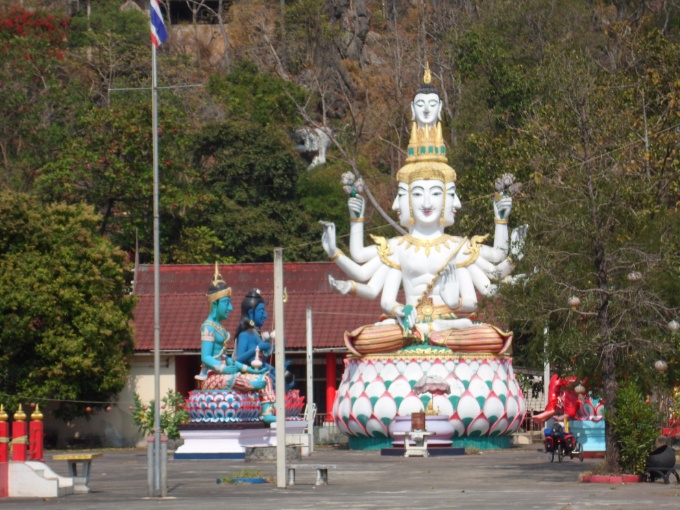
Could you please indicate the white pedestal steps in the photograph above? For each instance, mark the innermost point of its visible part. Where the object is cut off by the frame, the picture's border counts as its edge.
(37, 480)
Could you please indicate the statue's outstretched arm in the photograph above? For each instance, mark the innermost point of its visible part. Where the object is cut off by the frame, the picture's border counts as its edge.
(507, 265)
(245, 349)
(468, 296)
(388, 300)
(355, 271)
(502, 205)
(501, 271)
(232, 367)
(495, 272)
(368, 290)
(360, 273)
(357, 250)
(207, 345)
(481, 281)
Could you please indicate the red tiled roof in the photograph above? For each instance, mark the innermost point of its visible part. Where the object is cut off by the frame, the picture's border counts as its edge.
(184, 306)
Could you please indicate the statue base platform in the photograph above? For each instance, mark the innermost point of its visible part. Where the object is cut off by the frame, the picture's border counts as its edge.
(483, 407)
(434, 451)
(482, 443)
(230, 406)
(229, 441)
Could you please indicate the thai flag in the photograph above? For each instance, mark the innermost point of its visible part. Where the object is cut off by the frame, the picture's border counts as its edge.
(158, 33)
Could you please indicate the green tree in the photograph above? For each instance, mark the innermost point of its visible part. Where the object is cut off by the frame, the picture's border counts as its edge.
(249, 171)
(65, 332)
(198, 245)
(500, 53)
(111, 47)
(251, 174)
(107, 159)
(39, 92)
(247, 93)
(602, 205)
(108, 163)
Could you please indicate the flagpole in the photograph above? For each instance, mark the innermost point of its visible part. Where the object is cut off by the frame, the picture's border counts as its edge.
(157, 489)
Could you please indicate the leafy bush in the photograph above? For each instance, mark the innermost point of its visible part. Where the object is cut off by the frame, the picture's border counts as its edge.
(173, 414)
(636, 426)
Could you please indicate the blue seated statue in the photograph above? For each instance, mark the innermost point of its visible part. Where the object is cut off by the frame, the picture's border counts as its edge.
(221, 372)
(250, 347)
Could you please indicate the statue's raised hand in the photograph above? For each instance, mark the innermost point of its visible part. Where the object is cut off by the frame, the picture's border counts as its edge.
(356, 205)
(340, 286)
(449, 289)
(517, 238)
(406, 316)
(328, 238)
(502, 207)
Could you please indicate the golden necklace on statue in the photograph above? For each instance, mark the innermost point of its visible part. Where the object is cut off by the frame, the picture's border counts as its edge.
(437, 243)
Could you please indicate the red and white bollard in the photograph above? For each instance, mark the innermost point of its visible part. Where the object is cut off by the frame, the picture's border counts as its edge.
(36, 436)
(19, 436)
(4, 435)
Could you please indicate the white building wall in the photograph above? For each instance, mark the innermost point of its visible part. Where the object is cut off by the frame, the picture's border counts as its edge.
(116, 428)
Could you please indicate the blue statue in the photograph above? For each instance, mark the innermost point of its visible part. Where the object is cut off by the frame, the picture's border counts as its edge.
(221, 372)
(252, 345)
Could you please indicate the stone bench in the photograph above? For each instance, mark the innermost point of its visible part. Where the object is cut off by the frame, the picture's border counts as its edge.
(321, 472)
(80, 483)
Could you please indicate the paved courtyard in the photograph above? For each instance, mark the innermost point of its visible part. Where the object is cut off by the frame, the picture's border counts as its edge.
(519, 478)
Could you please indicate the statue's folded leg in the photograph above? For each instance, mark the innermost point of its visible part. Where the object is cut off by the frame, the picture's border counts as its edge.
(215, 381)
(267, 394)
(374, 339)
(507, 347)
(241, 382)
(478, 338)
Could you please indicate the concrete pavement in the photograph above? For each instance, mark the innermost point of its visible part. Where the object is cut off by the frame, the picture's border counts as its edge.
(520, 478)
